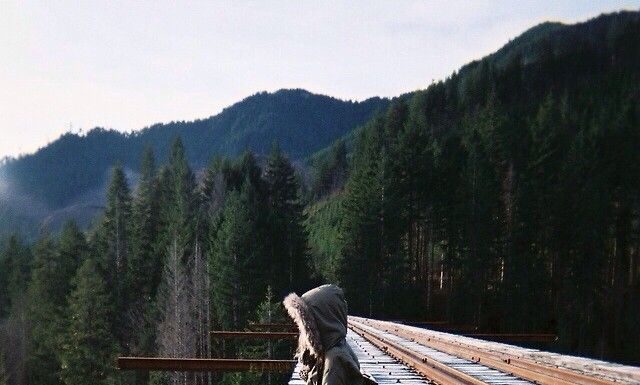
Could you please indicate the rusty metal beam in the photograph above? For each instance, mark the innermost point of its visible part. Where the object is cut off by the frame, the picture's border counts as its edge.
(273, 326)
(254, 335)
(204, 365)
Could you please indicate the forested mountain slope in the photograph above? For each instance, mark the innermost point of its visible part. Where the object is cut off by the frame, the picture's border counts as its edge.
(72, 169)
(508, 188)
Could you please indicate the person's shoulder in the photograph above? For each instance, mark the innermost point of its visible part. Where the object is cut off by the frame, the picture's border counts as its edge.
(342, 353)
(342, 367)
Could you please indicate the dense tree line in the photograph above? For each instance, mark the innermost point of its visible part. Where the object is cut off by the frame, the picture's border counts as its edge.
(505, 197)
(163, 266)
(74, 165)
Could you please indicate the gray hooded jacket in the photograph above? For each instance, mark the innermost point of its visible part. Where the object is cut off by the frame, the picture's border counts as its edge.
(325, 356)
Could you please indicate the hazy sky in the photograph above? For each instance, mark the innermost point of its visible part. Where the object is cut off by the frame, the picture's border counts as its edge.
(129, 64)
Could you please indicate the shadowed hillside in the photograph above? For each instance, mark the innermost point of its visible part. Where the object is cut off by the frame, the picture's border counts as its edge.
(70, 170)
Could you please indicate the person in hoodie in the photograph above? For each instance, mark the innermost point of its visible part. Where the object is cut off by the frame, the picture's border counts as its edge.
(323, 352)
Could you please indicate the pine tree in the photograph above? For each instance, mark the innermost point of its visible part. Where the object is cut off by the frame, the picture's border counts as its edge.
(270, 311)
(14, 277)
(180, 209)
(360, 225)
(116, 222)
(46, 307)
(71, 251)
(143, 265)
(287, 235)
(234, 277)
(89, 349)
(111, 246)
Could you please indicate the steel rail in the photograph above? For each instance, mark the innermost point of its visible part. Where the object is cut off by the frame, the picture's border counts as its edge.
(521, 367)
(204, 364)
(429, 368)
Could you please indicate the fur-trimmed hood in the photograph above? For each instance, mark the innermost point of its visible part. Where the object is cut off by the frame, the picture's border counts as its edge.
(309, 338)
(321, 317)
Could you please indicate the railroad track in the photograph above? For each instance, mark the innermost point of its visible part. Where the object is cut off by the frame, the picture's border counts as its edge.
(454, 360)
(377, 363)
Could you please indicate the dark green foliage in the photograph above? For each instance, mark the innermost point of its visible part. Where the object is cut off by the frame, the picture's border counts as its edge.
(45, 314)
(286, 234)
(509, 188)
(302, 122)
(54, 267)
(269, 311)
(71, 251)
(331, 171)
(144, 266)
(15, 272)
(323, 223)
(177, 201)
(89, 348)
(234, 262)
(113, 234)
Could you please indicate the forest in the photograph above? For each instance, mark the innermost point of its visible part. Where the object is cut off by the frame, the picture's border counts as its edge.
(162, 266)
(506, 197)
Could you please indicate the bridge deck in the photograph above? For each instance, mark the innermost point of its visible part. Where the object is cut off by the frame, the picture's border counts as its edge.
(383, 368)
(400, 354)
(531, 364)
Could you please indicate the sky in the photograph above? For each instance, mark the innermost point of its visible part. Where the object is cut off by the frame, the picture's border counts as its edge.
(74, 65)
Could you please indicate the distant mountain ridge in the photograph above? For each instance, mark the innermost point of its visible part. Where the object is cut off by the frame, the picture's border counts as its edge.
(299, 121)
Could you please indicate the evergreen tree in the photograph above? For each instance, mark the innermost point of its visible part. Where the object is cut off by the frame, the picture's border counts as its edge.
(53, 272)
(360, 225)
(180, 209)
(116, 222)
(16, 270)
(89, 348)
(287, 235)
(235, 279)
(331, 173)
(143, 265)
(72, 249)
(111, 247)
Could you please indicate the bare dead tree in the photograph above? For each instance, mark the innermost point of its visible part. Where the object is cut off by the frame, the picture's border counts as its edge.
(176, 337)
(200, 299)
